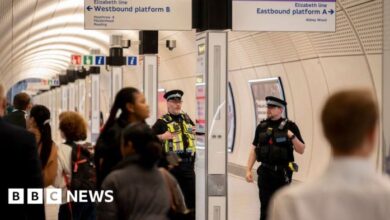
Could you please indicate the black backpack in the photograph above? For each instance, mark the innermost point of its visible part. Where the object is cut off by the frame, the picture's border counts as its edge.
(83, 169)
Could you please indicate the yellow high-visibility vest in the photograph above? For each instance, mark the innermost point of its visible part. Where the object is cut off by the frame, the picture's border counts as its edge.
(176, 144)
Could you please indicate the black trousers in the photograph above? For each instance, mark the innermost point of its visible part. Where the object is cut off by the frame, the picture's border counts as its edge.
(77, 211)
(269, 181)
(185, 176)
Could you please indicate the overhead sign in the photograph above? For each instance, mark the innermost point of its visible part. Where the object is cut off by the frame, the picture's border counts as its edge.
(132, 61)
(43, 85)
(138, 14)
(75, 59)
(100, 60)
(87, 60)
(54, 82)
(284, 15)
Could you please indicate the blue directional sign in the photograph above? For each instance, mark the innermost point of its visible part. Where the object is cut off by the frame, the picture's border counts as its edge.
(100, 60)
(54, 82)
(132, 61)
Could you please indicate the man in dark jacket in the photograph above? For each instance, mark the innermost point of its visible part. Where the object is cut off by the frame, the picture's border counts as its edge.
(21, 106)
(21, 168)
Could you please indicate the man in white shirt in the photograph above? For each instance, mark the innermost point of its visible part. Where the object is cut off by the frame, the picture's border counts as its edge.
(350, 189)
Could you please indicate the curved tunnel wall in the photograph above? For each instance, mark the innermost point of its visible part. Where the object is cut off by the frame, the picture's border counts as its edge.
(311, 65)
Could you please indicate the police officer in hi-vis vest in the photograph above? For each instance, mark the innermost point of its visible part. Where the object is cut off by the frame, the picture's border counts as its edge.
(177, 132)
(275, 140)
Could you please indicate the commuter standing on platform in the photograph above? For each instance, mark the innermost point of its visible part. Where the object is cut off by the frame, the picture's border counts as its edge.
(350, 188)
(138, 186)
(177, 130)
(133, 108)
(21, 168)
(22, 104)
(74, 167)
(38, 123)
(275, 140)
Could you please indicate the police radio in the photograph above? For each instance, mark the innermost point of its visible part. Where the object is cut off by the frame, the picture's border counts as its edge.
(269, 132)
(293, 166)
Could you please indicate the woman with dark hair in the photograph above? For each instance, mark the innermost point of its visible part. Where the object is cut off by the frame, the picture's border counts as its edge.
(137, 184)
(133, 108)
(38, 123)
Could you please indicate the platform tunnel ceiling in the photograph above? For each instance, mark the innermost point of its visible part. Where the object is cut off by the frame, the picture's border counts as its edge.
(26, 25)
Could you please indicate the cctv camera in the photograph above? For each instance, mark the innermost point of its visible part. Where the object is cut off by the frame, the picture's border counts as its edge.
(171, 44)
(126, 43)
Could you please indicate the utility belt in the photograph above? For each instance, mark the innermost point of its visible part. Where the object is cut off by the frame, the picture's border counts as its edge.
(285, 170)
(275, 167)
(180, 156)
(293, 167)
(187, 159)
(184, 153)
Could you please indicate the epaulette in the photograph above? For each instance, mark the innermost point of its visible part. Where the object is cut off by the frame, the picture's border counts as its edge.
(185, 117)
(263, 123)
(284, 123)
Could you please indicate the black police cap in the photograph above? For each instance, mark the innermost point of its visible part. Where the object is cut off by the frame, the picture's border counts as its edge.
(173, 94)
(273, 101)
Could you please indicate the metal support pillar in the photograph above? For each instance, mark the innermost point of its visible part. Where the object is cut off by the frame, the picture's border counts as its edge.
(212, 64)
(149, 48)
(95, 103)
(71, 74)
(150, 73)
(64, 92)
(116, 60)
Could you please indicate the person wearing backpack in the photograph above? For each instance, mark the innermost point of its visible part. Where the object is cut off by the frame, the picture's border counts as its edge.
(76, 170)
(133, 107)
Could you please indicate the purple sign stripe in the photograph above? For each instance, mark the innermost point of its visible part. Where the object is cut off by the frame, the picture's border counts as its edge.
(284, 0)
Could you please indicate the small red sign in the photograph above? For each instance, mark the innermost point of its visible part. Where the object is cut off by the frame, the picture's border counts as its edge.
(76, 59)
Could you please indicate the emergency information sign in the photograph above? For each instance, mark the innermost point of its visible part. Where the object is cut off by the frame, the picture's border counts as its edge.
(138, 14)
(284, 15)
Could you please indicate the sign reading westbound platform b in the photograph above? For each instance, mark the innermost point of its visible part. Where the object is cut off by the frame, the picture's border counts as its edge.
(138, 15)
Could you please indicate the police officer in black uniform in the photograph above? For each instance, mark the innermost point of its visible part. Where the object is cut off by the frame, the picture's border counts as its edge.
(176, 130)
(275, 140)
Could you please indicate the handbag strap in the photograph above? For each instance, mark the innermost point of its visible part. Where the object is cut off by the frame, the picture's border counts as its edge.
(67, 183)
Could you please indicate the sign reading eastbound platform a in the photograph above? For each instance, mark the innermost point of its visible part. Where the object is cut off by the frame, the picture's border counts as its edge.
(284, 15)
(138, 14)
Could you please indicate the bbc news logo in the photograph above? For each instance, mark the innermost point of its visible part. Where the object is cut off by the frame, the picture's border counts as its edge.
(54, 196)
